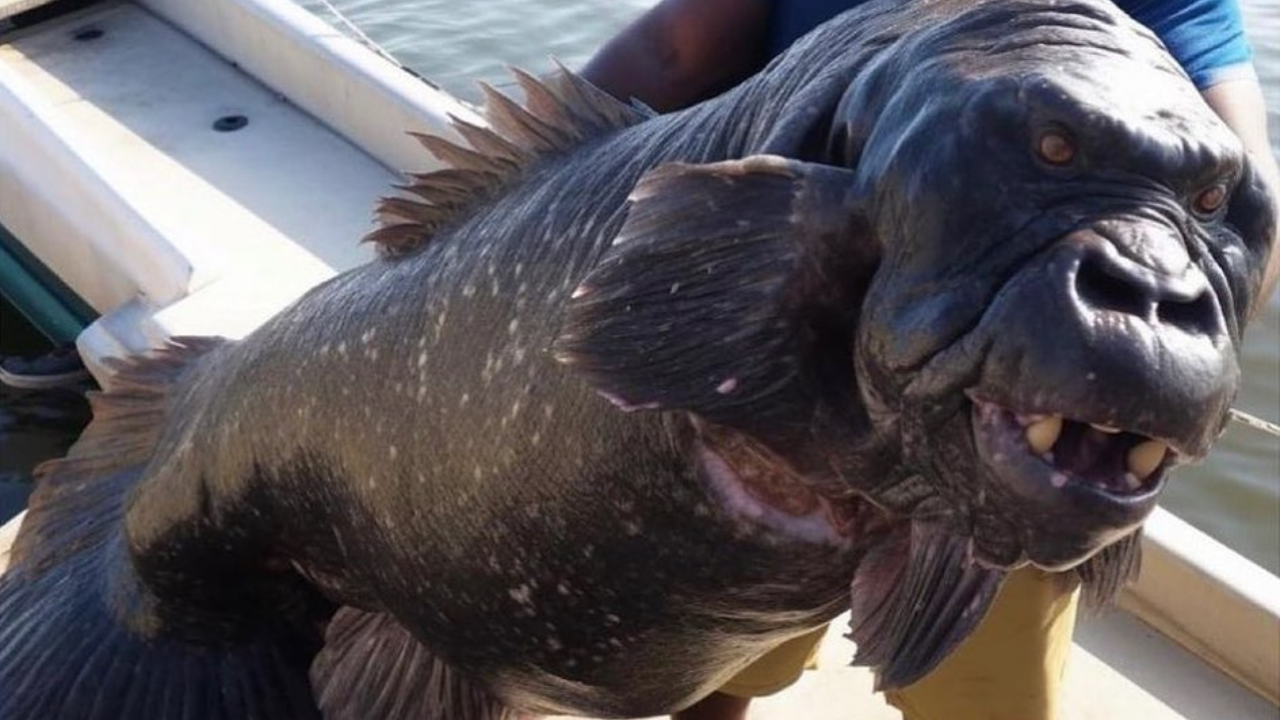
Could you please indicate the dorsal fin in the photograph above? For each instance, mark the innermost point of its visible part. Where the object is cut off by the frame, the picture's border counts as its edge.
(558, 113)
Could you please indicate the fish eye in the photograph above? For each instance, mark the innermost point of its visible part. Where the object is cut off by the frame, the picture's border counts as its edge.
(1208, 200)
(1056, 147)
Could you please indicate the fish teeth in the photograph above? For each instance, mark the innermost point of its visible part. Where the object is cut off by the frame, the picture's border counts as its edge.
(1145, 457)
(1105, 428)
(1042, 434)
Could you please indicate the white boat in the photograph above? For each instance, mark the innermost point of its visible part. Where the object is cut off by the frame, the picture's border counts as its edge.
(191, 167)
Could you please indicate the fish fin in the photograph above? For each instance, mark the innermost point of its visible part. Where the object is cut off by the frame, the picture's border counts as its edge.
(1105, 574)
(371, 667)
(127, 421)
(915, 597)
(558, 113)
(69, 643)
(718, 289)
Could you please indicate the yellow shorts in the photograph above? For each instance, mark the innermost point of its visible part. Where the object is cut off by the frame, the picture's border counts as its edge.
(1009, 668)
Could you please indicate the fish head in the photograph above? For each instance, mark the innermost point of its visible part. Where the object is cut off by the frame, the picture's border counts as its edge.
(1071, 245)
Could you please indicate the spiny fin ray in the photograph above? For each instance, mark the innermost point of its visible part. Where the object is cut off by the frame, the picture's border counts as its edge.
(559, 112)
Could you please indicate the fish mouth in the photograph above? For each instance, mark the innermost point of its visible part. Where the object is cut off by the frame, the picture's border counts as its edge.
(1051, 448)
(1073, 484)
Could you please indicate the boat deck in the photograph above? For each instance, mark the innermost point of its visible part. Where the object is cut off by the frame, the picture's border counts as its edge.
(1119, 668)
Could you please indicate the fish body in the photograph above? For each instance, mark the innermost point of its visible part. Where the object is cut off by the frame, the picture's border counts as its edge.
(631, 400)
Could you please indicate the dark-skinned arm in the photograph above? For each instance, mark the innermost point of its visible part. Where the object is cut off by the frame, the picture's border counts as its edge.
(683, 51)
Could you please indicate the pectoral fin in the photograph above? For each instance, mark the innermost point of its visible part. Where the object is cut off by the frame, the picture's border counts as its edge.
(915, 597)
(371, 667)
(721, 286)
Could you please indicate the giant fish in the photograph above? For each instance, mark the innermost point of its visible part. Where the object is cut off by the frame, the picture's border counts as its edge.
(629, 400)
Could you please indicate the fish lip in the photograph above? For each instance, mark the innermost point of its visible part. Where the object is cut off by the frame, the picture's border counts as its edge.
(1186, 445)
(1063, 521)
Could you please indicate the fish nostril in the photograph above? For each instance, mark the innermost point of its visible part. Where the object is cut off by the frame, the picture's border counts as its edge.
(1198, 314)
(1103, 290)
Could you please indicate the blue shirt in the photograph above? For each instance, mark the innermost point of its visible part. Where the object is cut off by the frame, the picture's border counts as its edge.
(1205, 36)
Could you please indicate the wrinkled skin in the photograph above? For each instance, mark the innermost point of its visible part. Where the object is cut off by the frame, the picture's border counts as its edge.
(592, 455)
(1092, 289)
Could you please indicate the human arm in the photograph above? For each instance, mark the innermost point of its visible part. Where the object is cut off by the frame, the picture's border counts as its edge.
(1240, 105)
(683, 51)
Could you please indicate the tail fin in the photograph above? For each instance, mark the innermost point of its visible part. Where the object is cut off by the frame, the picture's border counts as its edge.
(66, 650)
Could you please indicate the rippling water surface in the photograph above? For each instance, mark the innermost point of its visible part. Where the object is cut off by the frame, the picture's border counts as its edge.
(1235, 495)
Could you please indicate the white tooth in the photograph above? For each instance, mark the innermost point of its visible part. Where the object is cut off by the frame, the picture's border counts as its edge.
(1131, 481)
(1104, 428)
(1043, 434)
(1145, 457)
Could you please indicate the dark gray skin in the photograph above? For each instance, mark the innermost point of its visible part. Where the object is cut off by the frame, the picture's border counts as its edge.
(821, 355)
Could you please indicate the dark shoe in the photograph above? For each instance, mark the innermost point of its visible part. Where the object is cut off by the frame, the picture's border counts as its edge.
(59, 367)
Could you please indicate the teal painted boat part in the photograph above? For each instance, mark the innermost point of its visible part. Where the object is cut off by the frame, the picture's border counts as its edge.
(48, 304)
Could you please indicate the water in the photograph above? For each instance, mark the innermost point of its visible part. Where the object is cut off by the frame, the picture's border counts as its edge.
(1234, 496)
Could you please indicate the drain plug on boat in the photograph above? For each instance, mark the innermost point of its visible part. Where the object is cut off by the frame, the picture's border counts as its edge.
(230, 123)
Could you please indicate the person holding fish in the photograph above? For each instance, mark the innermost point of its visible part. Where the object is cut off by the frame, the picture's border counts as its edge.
(684, 51)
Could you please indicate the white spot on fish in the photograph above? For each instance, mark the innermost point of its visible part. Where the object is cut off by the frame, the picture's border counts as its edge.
(522, 594)
(513, 326)
(392, 452)
(1091, 376)
(728, 386)
(1058, 479)
(579, 291)
(626, 406)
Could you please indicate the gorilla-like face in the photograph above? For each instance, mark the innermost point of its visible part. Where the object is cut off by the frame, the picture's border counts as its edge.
(1070, 253)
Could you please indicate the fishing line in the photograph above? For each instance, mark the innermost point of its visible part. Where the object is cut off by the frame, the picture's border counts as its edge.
(359, 34)
(1256, 423)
